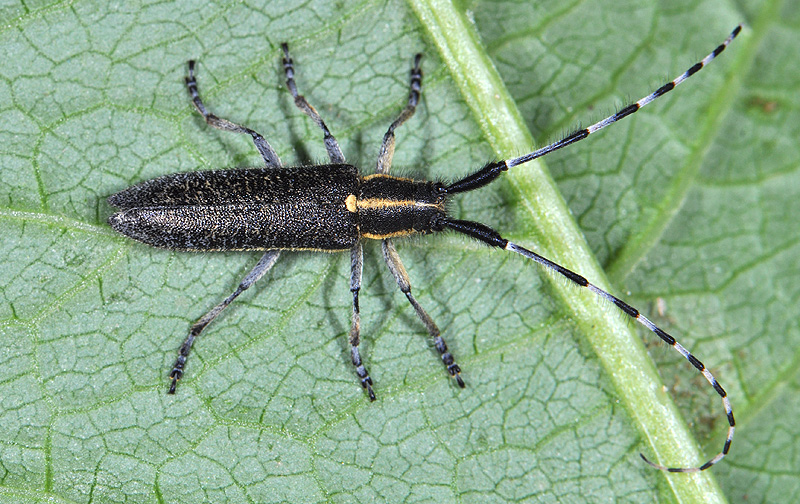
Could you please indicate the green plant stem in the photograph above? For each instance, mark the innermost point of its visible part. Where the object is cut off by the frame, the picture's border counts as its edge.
(612, 336)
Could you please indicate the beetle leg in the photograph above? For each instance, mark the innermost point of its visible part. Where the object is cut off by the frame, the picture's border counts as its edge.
(266, 262)
(387, 147)
(356, 268)
(400, 275)
(331, 145)
(271, 159)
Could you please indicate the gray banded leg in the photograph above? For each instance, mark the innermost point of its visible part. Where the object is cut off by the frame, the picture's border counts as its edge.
(271, 159)
(331, 145)
(356, 268)
(401, 276)
(264, 264)
(387, 147)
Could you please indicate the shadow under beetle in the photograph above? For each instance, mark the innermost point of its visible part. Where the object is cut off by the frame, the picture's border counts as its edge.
(331, 208)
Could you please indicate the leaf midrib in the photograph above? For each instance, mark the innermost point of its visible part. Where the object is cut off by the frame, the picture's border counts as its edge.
(619, 349)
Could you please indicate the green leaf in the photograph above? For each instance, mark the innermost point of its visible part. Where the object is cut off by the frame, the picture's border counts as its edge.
(690, 207)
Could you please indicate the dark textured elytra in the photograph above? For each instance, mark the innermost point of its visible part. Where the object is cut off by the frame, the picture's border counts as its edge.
(332, 207)
(242, 209)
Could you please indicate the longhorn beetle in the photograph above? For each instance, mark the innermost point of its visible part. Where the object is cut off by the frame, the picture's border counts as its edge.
(332, 208)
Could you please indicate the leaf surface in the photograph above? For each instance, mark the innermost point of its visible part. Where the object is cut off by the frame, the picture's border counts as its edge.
(690, 207)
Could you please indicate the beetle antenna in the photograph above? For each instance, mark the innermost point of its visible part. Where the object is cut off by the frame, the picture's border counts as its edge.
(491, 237)
(493, 170)
(630, 109)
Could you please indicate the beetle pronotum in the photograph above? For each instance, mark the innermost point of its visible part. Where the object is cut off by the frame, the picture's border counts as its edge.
(332, 207)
